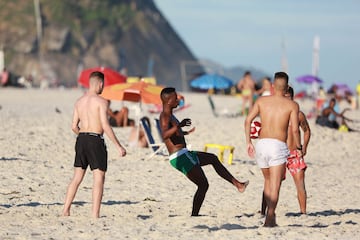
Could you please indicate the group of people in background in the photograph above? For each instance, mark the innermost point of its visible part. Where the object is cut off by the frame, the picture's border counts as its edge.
(326, 108)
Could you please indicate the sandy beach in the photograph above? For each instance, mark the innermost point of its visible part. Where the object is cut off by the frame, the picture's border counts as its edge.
(146, 198)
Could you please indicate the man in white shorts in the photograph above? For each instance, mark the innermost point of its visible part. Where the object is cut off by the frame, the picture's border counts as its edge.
(271, 150)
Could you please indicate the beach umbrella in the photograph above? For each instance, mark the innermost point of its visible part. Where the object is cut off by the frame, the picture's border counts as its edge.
(136, 92)
(308, 79)
(111, 76)
(340, 89)
(211, 81)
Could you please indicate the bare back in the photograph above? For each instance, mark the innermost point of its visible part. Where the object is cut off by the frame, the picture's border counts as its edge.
(88, 112)
(275, 113)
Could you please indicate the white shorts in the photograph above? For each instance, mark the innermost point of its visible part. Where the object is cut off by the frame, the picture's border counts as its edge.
(271, 152)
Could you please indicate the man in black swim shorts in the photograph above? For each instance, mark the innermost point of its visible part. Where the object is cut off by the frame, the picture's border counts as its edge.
(89, 123)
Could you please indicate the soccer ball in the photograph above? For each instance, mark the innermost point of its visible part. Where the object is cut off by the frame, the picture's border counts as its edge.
(255, 129)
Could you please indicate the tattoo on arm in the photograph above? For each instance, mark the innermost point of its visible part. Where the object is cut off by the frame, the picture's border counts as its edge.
(304, 126)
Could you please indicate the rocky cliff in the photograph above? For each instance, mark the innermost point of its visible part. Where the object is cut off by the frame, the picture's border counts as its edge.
(54, 40)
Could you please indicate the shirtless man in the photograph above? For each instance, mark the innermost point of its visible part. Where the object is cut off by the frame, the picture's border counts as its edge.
(247, 87)
(296, 164)
(328, 116)
(189, 162)
(275, 112)
(89, 123)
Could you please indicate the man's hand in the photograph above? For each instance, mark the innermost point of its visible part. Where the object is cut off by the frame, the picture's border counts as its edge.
(299, 152)
(251, 150)
(122, 151)
(185, 122)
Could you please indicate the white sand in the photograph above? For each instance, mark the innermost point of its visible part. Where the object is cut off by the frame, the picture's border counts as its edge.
(148, 199)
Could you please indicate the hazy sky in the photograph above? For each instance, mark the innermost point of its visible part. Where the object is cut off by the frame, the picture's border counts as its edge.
(251, 32)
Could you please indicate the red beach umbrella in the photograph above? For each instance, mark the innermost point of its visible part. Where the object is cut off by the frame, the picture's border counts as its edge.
(111, 76)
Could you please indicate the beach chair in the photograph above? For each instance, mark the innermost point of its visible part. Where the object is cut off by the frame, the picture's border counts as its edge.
(158, 128)
(158, 148)
(216, 114)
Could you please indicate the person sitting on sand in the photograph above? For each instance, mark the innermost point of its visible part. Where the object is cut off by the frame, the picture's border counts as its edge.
(137, 137)
(328, 116)
(189, 162)
(120, 118)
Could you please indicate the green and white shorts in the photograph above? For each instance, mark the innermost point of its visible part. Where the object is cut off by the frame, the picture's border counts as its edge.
(184, 160)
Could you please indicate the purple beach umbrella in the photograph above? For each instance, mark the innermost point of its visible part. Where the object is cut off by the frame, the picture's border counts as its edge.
(308, 79)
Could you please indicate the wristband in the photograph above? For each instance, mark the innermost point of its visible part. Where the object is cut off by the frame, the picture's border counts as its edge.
(299, 148)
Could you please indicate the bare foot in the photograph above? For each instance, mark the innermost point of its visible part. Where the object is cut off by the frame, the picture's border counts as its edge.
(66, 213)
(241, 186)
(270, 221)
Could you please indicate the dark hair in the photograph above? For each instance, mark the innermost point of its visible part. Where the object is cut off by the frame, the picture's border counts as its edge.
(247, 73)
(98, 75)
(290, 90)
(267, 78)
(166, 91)
(282, 75)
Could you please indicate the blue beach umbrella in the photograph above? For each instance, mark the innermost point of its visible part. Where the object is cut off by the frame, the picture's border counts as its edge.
(211, 81)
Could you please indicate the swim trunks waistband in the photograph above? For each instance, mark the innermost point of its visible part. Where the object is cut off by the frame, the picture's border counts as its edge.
(178, 153)
(91, 134)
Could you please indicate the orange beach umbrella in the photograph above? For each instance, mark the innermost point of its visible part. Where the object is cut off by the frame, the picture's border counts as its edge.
(136, 92)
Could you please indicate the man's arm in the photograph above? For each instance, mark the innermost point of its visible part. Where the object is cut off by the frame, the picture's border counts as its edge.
(164, 122)
(75, 122)
(103, 108)
(294, 120)
(250, 117)
(304, 125)
(167, 132)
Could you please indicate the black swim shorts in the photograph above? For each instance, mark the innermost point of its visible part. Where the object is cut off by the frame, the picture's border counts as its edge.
(90, 149)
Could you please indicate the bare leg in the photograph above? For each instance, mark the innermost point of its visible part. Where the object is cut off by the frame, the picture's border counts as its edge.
(197, 176)
(263, 205)
(273, 177)
(299, 179)
(209, 158)
(122, 117)
(72, 189)
(98, 189)
(243, 107)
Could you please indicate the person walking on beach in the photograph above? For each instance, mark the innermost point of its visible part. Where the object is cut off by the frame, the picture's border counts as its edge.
(247, 87)
(89, 123)
(295, 163)
(276, 113)
(189, 162)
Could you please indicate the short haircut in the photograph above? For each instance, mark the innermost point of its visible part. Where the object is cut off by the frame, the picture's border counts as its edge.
(166, 91)
(99, 76)
(281, 80)
(282, 75)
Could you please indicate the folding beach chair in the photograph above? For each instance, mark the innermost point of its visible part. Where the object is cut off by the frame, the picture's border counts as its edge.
(158, 148)
(216, 114)
(158, 128)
